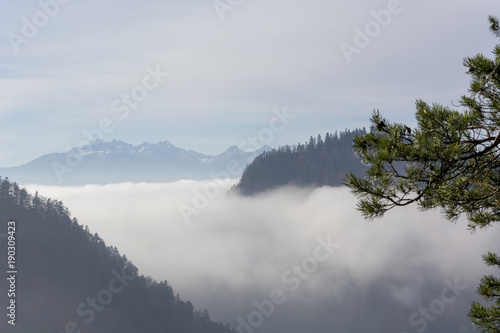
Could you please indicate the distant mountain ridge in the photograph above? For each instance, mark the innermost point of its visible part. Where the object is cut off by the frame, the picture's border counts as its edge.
(102, 162)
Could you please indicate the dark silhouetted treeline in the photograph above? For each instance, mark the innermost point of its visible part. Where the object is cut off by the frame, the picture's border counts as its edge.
(318, 162)
(69, 280)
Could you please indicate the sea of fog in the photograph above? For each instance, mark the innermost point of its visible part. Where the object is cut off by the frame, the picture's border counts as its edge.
(291, 260)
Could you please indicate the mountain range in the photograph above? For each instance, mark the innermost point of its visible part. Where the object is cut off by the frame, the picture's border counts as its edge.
(101, 162)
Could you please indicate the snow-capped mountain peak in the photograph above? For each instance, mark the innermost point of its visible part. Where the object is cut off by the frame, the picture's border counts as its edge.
(117, 161)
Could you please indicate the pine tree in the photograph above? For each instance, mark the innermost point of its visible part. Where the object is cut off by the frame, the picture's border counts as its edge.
(451, 160)
(488, 318)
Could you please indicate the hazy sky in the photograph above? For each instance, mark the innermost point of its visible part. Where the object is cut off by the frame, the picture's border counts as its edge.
(72, 66)
(235, 251)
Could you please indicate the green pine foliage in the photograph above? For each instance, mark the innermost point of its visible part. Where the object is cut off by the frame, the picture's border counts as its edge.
(488, 317)
(450, 160)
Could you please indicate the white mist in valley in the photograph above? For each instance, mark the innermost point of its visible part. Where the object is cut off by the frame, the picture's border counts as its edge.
(294, 260)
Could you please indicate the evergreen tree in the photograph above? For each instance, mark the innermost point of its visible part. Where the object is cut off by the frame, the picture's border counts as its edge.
(451, 160)
(488, 318)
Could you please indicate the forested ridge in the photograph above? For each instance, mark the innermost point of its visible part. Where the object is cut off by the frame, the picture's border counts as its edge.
(69, 280)
(317, 162)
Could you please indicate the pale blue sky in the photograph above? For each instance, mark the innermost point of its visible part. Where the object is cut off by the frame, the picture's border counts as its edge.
(225, 76)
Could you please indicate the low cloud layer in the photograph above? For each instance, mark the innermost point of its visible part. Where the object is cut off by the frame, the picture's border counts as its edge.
(293, 260)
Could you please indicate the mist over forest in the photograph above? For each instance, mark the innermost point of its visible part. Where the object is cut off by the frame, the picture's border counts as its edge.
(264, 166)
(238, 250)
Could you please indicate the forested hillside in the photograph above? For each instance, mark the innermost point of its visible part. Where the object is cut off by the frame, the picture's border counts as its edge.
(69, 280)
(314, 163)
